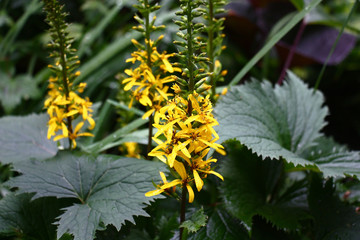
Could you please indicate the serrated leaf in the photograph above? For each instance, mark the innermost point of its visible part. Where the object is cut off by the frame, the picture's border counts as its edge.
(14, 90)
(333, 218)
(197, 220)
(333, 159)
(30, 218)
(110, 189)
(221, 226)
(25, 138)
(249, 189)
(278, 122)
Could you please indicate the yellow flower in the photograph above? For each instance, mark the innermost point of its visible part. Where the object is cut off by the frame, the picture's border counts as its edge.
(184, 181)
(72, 136)
(62, 109)
(188, 138)
(132, 149)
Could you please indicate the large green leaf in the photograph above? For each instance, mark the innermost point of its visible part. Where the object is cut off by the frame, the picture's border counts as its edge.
(110, 189)
(221, 226)
(252, 187)
(20, 216)
(333, 219)
(24, 138)
(333, 159)
(12, 91)
(273, 122)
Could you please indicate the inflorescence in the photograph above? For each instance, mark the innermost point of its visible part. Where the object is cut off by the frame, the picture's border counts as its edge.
(64, 104)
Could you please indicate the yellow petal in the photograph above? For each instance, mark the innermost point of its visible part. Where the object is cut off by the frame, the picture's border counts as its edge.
(198, 181)
(72, 112)
(64, 129)
(78, 127)
(180, 169)
(73, 143)
(91, 122)
(59, 137)
(84, 112)
(148, 113)
(154, 192)
(171, 184)
(216, 174)
(168, 66)
(191, 193)
(163, 177)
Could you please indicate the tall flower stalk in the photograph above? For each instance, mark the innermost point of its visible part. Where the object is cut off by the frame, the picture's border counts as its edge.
(63, 103)
(214, 35)
(185, 125)
(148, 80)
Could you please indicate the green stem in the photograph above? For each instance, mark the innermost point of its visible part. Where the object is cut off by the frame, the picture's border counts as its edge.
(190, 50)
(182, 208)
(64, 73)
(147, 33)
(149, 64)
(334, 45)
(211, 47)
(151, 120)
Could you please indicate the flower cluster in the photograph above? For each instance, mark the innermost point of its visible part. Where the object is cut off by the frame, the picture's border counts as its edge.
(63, 109)
(187, 125)
(148, 86)
(64, 104)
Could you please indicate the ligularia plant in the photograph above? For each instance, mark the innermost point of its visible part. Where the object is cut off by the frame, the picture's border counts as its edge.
(185, 124)
(280, 176)
(64, 105)
(148, 80)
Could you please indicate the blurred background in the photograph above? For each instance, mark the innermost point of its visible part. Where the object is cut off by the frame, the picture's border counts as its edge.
(102, 32)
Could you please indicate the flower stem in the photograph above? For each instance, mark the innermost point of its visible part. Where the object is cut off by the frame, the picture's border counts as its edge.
(190, 52)
(182, 208)
(211, 47)
(292, 51)
(151, 120)
(149, 64)
(64, 75)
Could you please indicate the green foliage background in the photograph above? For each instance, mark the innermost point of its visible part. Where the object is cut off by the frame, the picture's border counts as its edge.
(289, 172)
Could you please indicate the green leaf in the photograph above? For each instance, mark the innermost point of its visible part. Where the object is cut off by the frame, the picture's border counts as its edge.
(197, 220)
(12, 91)
(333, 159)
(333, 219)
(25, 138)
(262, 229)
(278, 122)
(110, 140)
(109, 189)
(250, 188)
(299, 4)
(221, 226)
(137, 235)
(7, 42)
(30, 218)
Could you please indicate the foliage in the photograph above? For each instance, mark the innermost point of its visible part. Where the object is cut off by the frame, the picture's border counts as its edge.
(286, 176)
